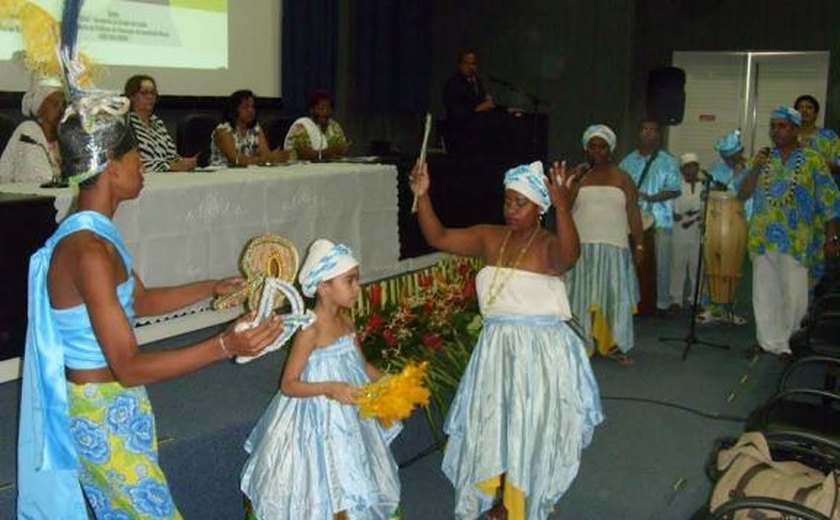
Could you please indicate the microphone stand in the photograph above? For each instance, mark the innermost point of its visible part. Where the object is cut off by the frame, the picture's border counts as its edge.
(691, 339)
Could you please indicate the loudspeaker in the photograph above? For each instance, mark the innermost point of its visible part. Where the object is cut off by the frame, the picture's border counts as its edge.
(666, 95)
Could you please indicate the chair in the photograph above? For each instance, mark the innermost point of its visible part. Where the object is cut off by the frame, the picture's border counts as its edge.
(7, 128)
(276, 130)
(193, 135)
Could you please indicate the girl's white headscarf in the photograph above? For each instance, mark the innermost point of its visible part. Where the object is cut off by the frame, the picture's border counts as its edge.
(324, 262)
(529, 180)
(602, 131)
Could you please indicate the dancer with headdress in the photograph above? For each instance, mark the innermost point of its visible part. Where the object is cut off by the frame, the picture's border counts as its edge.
(87, 429)
(528, 401)
(311, 454)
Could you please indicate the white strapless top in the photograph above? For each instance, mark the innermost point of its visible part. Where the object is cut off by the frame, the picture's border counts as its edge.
(600, 215)
(521, 293)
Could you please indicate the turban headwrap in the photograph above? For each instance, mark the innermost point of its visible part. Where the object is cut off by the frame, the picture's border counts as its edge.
(602, 131)
(39, 90)
(529, 180)
(324, 262)
(730, 144)
(788, 113)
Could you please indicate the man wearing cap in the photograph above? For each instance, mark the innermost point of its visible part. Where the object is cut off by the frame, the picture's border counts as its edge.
(792, 229)
(688, 213)
(31, 155)
(727, 173)
(657, 176)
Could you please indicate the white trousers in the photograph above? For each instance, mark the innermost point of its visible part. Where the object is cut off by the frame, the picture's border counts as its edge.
(683, 265)
(663, 268)
(780, 299)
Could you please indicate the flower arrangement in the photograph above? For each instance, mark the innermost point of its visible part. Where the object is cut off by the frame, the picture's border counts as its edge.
(429, 316)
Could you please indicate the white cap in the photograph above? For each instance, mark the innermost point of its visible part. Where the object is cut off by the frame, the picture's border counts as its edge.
(688, 158)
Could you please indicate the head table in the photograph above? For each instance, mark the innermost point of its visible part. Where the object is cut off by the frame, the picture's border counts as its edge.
(188, 226)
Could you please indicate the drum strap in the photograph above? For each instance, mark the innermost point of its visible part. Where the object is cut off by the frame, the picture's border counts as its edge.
(646, 169)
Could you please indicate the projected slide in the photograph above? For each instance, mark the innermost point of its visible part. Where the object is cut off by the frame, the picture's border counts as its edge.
(147, 33)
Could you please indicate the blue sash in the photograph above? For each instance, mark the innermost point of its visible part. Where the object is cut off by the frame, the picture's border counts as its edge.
(48, 485)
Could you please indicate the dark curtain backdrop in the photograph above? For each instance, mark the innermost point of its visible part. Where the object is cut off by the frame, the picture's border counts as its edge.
(310, 50)
(393, 55)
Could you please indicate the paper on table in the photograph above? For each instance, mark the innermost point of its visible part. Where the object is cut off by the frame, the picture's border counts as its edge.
(423, 152)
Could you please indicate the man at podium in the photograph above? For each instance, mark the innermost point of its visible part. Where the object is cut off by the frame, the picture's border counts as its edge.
(475, 123)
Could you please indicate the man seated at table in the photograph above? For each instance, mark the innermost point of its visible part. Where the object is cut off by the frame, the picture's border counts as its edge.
(317, 137)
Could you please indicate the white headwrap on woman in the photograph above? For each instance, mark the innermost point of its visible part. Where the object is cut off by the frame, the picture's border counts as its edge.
(324, 262)
(39, 90)
(529, 180)
(602, 131)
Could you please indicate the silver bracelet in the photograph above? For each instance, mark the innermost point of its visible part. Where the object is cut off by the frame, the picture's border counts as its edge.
(223, 346)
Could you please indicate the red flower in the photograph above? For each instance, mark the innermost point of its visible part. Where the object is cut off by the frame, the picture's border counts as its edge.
(469, 288)
(426, 280)
(374, 322)
(464, 269)
(388, 336)
(432, 341)
(375, 295)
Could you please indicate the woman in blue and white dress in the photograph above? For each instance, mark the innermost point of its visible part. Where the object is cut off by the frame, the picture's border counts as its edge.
(528, 401)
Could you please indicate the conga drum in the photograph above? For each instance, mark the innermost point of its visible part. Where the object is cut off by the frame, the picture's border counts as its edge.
(724, 245)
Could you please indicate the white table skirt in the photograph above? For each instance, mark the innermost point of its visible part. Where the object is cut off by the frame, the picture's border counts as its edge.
(189, 226)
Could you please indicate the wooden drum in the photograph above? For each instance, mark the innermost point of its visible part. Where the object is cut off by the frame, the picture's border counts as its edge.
(725, 244)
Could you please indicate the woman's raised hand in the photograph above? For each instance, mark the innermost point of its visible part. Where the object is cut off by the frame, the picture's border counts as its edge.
(559, 184)
(419, 179)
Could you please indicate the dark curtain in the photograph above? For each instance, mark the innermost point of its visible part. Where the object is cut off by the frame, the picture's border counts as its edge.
(393, 55)
(310, 50)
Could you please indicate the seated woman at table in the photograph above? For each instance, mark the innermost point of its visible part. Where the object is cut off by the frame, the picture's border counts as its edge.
(31, 154)
(239, 140)
(157, 149)
(317, 137)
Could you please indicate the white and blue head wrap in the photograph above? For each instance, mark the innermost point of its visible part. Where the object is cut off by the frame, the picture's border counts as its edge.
(324, 262)
(602, 131)
(529, 180)
(788, 113)
(730, 144)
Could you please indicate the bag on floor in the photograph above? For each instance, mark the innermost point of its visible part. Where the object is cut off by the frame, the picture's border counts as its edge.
(748, 469)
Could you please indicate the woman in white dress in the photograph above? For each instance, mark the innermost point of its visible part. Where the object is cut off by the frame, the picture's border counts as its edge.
(317, 137)
(603, 287)
(528, 402)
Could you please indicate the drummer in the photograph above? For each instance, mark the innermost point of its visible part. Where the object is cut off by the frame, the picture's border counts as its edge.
(792, 229)
(727, 172)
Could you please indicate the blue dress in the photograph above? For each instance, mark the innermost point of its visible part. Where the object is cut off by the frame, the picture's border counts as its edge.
(528, 402)
(311, 457)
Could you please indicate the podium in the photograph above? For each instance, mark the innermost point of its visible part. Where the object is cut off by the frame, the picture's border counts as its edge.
(521, 136)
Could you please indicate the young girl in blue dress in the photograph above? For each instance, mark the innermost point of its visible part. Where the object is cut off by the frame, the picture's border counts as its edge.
(311, 454)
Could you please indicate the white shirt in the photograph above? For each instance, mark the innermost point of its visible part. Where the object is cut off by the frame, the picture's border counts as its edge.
(27, 161)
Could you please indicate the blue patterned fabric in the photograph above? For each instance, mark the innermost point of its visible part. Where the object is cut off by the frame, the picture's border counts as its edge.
(529, 180)
(788, 114)
(604, 277)
(729, 144)
(311, 457)
(113, 431)
(325, 261)
(664, 175)
(48, 484)
(526, 406)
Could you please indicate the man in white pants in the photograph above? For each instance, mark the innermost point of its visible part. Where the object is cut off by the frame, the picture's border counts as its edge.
(685, 246)
(795, 202)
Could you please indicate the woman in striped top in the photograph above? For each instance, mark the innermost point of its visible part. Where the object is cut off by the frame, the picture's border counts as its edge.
(157, 149)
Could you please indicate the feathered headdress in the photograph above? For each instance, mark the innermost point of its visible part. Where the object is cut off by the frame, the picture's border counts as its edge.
(94, 127)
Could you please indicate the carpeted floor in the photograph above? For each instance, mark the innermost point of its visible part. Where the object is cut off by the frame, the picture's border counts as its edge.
(645, 462)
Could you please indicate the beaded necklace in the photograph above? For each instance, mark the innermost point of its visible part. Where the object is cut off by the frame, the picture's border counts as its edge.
(786, 198)
(497, 283)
